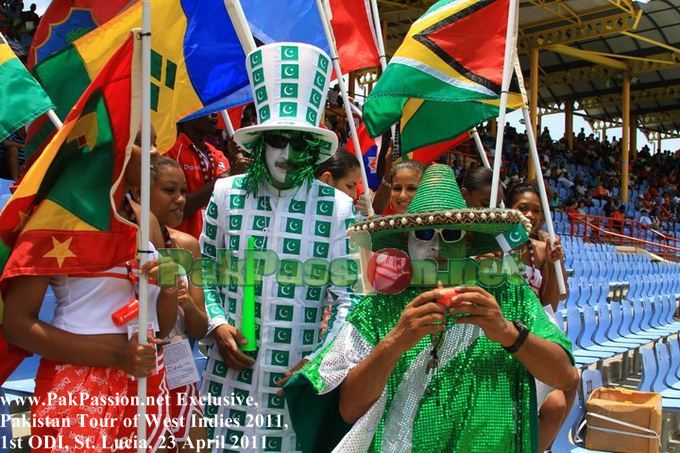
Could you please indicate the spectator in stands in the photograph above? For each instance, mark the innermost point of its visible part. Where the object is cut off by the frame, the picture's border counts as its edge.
(30, 19)
(619, 218)
(600, 192)
(202, 164)
(475, 186)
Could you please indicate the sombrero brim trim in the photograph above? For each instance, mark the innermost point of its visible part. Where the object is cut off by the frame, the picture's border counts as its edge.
(245, 136)
(495, 221)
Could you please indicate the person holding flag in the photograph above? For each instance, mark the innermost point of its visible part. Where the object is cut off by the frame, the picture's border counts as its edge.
(83, 245)
(289, 217)
(444, 369)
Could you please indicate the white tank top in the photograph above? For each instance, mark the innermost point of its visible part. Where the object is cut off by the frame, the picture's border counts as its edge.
(85, 303)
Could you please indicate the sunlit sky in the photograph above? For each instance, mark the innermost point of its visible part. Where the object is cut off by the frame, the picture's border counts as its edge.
(554, 122)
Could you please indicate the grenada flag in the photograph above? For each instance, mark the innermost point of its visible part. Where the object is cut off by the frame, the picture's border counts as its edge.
(62, 218)
(445, 78)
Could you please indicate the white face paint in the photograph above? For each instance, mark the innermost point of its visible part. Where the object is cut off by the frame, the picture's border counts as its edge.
(423, 250)
(277, 163)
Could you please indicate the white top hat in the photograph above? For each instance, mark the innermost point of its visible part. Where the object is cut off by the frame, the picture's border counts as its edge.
(290, 85)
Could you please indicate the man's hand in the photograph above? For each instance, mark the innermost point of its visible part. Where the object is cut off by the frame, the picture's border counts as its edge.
(228, 339)
(422, 316)
(289, 374)
(483, 311)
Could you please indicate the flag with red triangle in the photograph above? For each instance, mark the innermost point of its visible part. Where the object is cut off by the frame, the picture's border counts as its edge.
(445, 77)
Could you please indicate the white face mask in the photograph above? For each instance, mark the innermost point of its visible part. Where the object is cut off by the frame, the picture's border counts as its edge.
(423, 250)
(277, 163)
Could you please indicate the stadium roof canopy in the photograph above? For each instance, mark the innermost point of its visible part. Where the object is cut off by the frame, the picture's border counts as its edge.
(586, 49)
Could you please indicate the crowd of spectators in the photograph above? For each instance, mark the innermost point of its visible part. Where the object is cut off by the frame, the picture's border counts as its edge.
(590, 175)
(18, 25)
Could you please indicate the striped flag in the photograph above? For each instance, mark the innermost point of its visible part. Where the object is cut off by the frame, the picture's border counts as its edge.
(369, 151)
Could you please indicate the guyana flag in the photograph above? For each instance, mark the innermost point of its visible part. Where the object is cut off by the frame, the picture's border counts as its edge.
(22, 98)
(61, 220)
(446, 76)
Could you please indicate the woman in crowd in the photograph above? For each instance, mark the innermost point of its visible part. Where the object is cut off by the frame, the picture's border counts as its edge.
(401, 182)
(476, 190)
(168, 198)
(83, 347)
(538, 257)
(341, 171)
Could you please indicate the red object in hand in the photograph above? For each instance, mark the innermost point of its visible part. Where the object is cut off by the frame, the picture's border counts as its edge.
(446, 295)
(126, 313)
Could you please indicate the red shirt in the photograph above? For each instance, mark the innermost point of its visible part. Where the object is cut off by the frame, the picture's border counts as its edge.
(199, 169)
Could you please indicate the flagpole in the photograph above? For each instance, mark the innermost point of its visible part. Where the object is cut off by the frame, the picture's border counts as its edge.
(505, 86)
(480, 147)
(54, 119)
(533, 151)
(240, 23)
(345, 98)
(144, 211)
(227, 122)
(377, 26)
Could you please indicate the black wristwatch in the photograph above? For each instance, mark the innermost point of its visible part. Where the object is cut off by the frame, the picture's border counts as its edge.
(523, 334)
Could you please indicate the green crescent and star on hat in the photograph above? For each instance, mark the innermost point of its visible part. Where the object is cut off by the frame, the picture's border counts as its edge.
(439, 204)
(290, 85)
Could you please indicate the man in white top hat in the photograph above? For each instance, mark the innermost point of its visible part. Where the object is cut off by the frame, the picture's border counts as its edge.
(300, 224)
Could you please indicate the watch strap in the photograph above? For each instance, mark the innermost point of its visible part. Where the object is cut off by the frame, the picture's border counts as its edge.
(523, 334)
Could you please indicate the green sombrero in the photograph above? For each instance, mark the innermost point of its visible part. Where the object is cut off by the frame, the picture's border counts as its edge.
(438, 203)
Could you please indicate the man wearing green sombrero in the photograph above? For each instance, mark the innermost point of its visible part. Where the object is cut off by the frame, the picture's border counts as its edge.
(295, 220)
(426, 369)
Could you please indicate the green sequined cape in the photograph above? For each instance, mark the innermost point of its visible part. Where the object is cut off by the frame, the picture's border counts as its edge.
(481, 400)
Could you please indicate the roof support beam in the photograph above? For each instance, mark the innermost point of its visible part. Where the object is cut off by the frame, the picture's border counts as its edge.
(593, 57)
(585, 74)
(616, 22)
(638, 96)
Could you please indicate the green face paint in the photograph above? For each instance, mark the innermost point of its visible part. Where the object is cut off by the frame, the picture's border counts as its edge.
(285, 159)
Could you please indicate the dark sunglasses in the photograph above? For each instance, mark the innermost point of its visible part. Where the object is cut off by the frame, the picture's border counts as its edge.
(281, 141)
(448, 236)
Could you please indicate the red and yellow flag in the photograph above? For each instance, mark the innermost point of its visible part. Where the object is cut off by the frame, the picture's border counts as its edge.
(62, 218)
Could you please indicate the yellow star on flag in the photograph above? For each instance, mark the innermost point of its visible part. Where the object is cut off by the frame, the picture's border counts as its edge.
(60, 250)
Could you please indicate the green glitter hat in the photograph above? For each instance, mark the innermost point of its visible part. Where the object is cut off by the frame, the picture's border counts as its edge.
(290, 85)
(438, 203)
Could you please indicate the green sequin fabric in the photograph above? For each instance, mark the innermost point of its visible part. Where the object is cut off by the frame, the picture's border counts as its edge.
(481, 400)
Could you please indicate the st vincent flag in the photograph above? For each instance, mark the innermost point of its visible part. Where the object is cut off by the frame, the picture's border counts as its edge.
(299, 21)
(23, 99)
(369, 150)
(197, 62)
(446, 76)
(65, 21)
(62, 219)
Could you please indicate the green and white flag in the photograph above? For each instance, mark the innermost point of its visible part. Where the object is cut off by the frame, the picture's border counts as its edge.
(512, 238)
